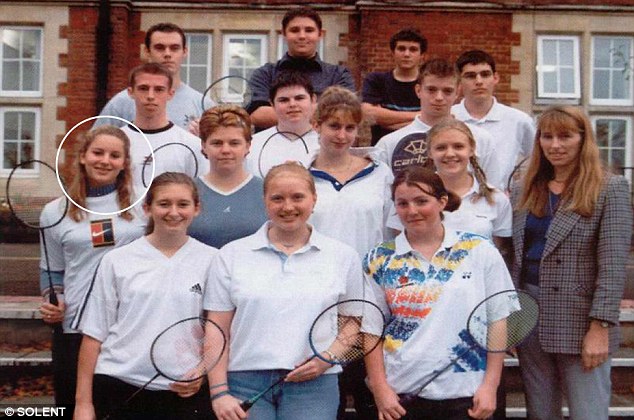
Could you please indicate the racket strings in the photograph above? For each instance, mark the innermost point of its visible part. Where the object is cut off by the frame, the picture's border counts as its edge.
(503, 321)
(186, 351)
(27, 204)
(169, 157)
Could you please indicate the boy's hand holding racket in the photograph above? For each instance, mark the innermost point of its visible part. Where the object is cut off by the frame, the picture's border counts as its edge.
(52, 314)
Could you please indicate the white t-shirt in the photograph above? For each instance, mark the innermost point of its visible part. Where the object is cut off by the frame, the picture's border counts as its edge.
(170, 158)
(429, 305)
(356, 212)
(185, 105)
(138, 292)
(513, 132)
(485, 148)
(77, 247)
(279, 149)
(276, 297)
(479, 217)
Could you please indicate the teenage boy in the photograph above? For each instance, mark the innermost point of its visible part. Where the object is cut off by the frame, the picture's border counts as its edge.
(302, 30)
(437, 89)
(150, 88)
(389, 97)
(293, 101)
(512, 130)
(164, 44)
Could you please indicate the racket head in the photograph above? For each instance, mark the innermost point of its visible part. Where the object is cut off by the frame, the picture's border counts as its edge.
(26, 204)
(411, 150)
(231, 89)
(503, 320)
(518, 173)
(169, 157)
(186, 350)
(347, 331)
(264, 169)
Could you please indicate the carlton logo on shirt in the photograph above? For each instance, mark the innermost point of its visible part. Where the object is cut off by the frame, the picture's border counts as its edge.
(101, 233)
(411, 150)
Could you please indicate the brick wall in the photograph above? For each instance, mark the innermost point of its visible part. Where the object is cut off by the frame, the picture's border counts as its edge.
(448, 34)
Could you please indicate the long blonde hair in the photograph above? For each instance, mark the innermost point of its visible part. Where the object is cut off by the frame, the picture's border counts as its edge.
(79, 185)
(450, 123)
(581, 190)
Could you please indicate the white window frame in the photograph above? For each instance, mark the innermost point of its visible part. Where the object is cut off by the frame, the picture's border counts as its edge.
(226, 40)
(186, 65)
(37, 137)
(628, 139)
(281, 42)
(540, 67)
(628, 67)
(24, 93)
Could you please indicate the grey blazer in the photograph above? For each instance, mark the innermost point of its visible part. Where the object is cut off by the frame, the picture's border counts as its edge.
(582, 269)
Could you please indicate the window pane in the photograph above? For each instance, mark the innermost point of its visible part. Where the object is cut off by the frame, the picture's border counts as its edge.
(252, 51)
(618, 160)
(620, 86)
(601, 84)
(10, 43)
(550, 82)
(618, 133)
(198, 51)
(602, 53)
(10, 158)
(620, 52)
(198, 78)
(10, 76)
(28, 125)
(602, 130)
(27, 151)
(567, 81)
(566, 53)
(31, 44)
(30, 75)
(550, 52)
(11, 123)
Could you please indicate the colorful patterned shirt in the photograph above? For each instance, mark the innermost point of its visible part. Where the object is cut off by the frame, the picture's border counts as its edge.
(428, 304)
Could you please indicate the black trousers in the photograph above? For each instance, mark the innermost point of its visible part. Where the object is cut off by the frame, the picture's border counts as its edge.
(110, 394)
(65, 354)
(424, 409)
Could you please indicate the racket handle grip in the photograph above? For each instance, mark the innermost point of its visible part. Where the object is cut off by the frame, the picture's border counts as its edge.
(246, 405)
(52, 298)
(406, 399)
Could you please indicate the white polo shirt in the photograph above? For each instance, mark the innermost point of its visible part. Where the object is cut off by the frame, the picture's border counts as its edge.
(480, 217)
(485, 148)
(356, 212)
(513, 133)
(276, 297)
(279, 149)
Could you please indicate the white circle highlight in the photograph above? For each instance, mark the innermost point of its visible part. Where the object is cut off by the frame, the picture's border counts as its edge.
(59, 179)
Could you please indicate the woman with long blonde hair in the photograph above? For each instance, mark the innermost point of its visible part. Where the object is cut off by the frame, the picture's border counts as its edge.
(102, 183)
(572, 227)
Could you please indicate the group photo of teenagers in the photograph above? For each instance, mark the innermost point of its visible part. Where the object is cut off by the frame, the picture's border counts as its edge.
(414, 234)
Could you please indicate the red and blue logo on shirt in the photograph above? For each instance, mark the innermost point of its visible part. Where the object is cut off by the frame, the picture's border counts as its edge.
(101, 233)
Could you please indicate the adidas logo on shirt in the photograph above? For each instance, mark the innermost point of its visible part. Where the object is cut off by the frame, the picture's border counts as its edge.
(196, 289)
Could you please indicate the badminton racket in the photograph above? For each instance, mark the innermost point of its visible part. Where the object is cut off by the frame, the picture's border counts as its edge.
(344, 332)
(228, 90)
(411, 150)
(497, 324)
(169, 157)
(291, 151)
(516, 175)
(183, 352)
(26, 205)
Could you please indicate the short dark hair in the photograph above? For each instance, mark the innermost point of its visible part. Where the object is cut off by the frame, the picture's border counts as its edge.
(306, 12)
(474, 57)
(150, 68)
(409, 34)
(289, 78)
(164, 27)
(438, 67)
